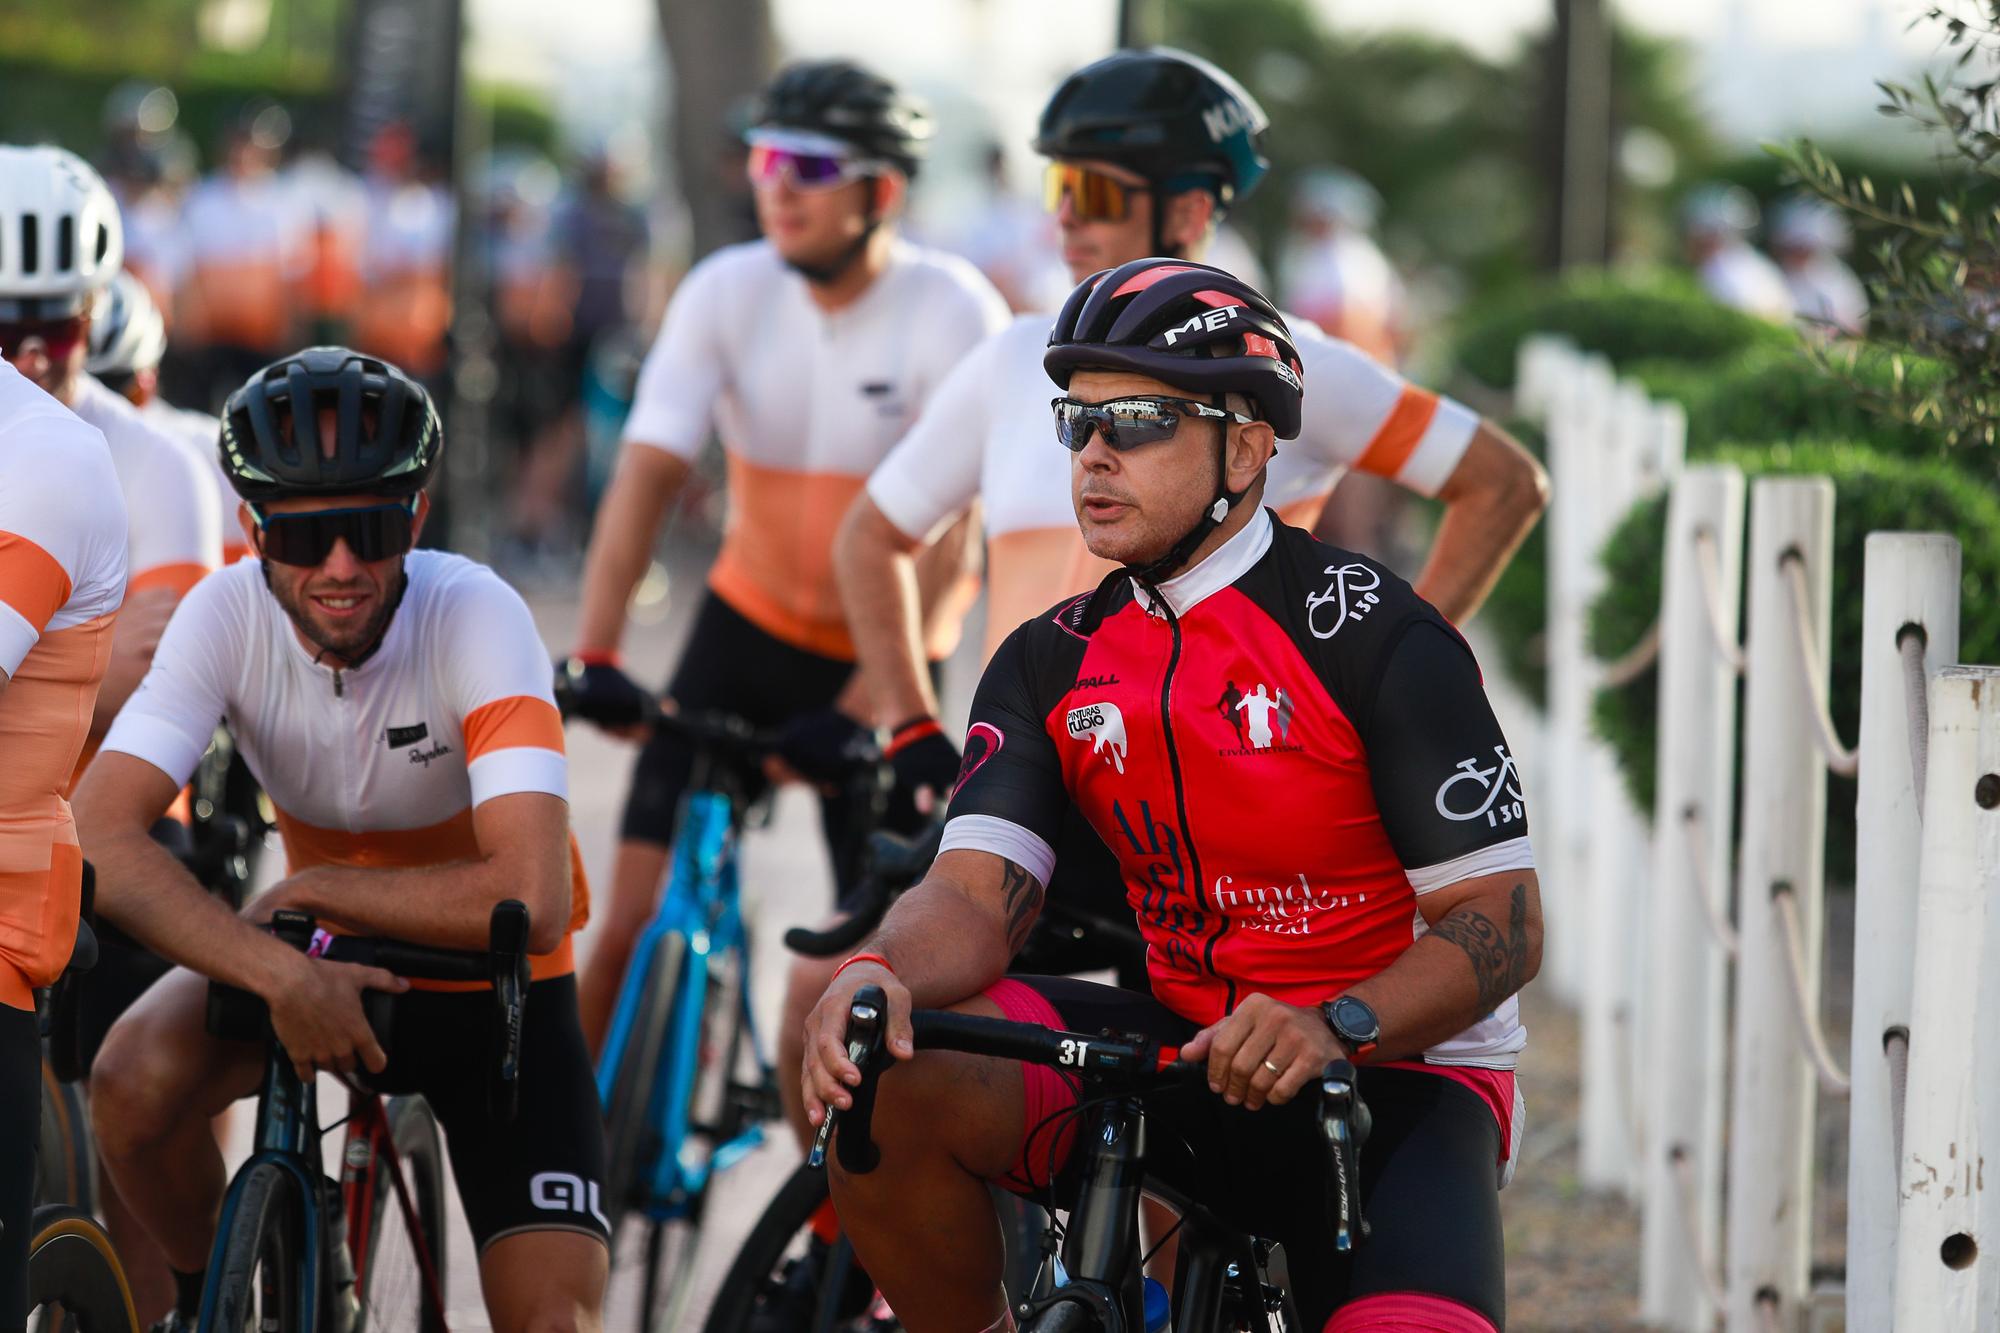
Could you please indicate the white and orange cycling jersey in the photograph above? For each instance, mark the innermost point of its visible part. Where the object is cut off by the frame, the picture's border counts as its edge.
(201, 432)
(62, 577)
(988, 434)
(176, 517)
(376, 765)
(807, 403)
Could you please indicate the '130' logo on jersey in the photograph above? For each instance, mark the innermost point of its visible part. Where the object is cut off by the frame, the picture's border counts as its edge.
(1352, 595)
(1492, 793)
(1105, 726)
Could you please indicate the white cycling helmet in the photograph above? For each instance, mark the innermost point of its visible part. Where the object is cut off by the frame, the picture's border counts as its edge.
(127, 334)
(61, 241)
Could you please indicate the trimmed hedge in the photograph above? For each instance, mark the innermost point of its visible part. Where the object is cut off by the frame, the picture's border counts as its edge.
(1629, 318)
(1873, 492)
(1517, 610)
(1783, 394)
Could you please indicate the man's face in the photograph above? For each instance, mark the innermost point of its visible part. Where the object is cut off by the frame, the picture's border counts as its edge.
(1133, 506)
(51, 353)
(815, 225)
(1090, 245)
(341, 604)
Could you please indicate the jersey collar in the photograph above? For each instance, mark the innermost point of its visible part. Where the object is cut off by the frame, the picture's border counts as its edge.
(1220, 568)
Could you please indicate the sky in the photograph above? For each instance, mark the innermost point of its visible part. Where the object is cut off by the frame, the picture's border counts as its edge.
(1764, 68)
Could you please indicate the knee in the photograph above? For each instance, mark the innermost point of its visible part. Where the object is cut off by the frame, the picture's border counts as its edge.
(132, 1092)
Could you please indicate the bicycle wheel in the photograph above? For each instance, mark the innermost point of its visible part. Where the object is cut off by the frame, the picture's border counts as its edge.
(64, 1162)
(785, 1277)
(718, 1110)
(74, 1280)
(389, 1279)
(630, 1138)
(260, 1284)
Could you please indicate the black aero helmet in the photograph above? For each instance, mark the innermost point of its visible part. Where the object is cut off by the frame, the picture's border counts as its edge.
(1174, 118)
(386, 438)
(1190, 325)
(848, 102)
(1193, 327)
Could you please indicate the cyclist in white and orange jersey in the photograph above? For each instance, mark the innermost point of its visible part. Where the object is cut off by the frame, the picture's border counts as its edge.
(1147, 149)
(128, 338)
(62, 576)
(47, 295)
(396, 706)
(809, 352)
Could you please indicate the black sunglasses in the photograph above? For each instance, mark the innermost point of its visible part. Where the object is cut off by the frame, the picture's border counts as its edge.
(1127, 423)
(373, 532)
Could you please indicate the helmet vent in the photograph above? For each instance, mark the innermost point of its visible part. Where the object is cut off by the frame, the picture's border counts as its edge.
(66, 243)
(31, 244)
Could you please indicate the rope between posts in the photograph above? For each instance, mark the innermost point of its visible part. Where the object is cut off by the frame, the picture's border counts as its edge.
(1683, 1174)
(1911, 642)
(1839, 759)
(1635, 661)
(1831, 1080)
(1719, 928)
(1709, 565)
(1896, 1049)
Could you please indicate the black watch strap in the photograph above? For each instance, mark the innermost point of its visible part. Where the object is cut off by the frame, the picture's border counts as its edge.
(1354, 1022)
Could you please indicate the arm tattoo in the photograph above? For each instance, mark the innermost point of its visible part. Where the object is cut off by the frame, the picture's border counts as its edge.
(1499, 958)
(1022, 897)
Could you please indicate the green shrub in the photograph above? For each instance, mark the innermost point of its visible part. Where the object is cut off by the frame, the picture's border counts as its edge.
(1517, 610)
(1873, 492)
(1627, 317)
(1780, 393)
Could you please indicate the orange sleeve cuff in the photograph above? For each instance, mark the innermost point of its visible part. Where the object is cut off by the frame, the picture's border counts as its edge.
(1397, 439)
(507, 724)
(31, 580)
(176, 578)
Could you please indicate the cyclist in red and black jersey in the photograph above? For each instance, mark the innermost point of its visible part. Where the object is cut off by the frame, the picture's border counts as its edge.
(1319, 828)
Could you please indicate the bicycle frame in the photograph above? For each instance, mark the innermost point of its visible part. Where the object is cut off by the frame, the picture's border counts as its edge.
(701, 909)
(368, 1149)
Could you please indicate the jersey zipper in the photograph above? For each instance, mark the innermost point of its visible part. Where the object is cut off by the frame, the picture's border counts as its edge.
(1180, 800)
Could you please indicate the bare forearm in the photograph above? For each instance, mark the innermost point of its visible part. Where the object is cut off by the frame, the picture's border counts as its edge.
(445, 906)
(1461, 970)
(879, 589)
(621, 542)
(148, 894)
(945, 945)
(1475, 539)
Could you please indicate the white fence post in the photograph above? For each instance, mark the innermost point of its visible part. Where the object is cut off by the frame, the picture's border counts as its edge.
(1614, 883)
(1684, 1032)
(1577, 430)
(1772, 1089)
(1912, 581)
(1947, 1240)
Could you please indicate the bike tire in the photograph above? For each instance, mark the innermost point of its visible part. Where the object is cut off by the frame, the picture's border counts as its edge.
(71, 1264)
(629, 1140)
(414, 1129)
(772, 1243)
(262, 1272)
(65, 1162)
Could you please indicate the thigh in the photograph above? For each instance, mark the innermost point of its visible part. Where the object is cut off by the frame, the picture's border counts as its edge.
(544, 1171)
(20, 1128)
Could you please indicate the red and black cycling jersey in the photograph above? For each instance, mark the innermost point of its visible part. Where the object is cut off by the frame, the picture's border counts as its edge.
(1282, 757)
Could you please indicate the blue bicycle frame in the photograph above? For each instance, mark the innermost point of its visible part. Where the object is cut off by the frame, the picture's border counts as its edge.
(291, 1139)
(701, 914)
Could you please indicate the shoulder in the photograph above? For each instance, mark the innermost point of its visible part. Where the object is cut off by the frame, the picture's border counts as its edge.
(1346, 611)
(937, 277)
(1326, 356)
(465, 605)
(58, 486)
(224, 604)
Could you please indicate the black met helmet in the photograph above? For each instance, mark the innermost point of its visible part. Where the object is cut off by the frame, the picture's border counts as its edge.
(386, 438)
(1194, 327)
(848, 102)
(1174, 118)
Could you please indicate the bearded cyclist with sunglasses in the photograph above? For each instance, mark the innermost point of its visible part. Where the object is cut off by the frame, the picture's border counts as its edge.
(809, 353)
(1304, 892)
(395, 704)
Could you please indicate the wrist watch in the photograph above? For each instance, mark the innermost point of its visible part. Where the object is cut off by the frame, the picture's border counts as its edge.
(1354, 1023)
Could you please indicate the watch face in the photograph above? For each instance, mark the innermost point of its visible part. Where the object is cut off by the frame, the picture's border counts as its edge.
(1355, 1020)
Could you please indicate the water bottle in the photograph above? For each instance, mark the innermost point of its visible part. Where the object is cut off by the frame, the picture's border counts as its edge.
(1156, 1307)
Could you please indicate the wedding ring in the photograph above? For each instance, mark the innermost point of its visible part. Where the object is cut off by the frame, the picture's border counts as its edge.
(1273, 1068)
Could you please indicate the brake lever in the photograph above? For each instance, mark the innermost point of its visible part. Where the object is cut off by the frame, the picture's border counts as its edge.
(865, 1013)
(1345, 1121)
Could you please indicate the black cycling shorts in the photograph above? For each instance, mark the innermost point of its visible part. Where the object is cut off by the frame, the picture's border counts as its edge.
(545, 1170)
(20, 1136)
(1429, 1183)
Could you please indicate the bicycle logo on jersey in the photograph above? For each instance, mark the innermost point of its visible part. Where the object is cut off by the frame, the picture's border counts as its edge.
(1500, 786)
(1352, 594)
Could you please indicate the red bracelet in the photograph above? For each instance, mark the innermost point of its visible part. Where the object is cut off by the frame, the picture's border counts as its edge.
(909, 733)
(596, 656)
(874, 958)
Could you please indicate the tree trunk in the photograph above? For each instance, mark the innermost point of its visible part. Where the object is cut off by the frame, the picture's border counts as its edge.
(719, 54)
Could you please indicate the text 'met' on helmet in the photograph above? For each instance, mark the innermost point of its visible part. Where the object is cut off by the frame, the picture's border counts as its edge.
(329, 421)
(1188, 325)
(850, 103)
